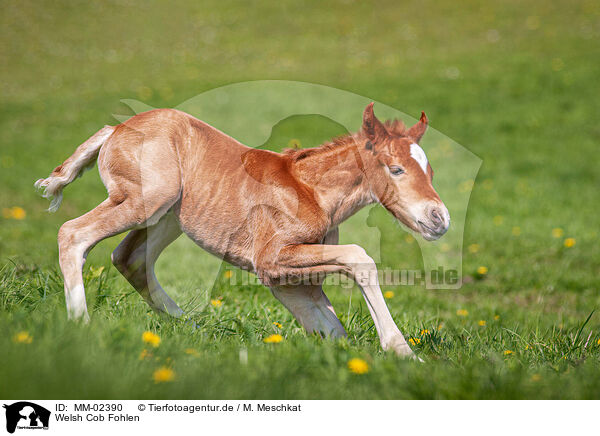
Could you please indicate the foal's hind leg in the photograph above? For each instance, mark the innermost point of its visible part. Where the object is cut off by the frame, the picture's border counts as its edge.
(135, 258)
(77, 237)
(312, 309)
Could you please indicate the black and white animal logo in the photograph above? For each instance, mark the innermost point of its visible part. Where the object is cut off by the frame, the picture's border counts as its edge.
(26, 415)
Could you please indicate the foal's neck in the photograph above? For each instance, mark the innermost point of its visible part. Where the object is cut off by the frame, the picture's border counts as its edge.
(338, 177)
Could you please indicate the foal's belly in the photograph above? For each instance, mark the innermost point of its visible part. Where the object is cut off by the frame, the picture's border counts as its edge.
(224, 238)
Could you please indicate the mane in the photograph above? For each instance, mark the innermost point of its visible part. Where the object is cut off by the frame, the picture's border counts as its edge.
(394, 128)
(336, 143)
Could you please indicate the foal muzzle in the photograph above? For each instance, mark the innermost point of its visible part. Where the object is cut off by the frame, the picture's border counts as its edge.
(435, 222)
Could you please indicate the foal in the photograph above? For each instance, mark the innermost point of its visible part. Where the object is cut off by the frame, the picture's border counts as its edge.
(276, 215)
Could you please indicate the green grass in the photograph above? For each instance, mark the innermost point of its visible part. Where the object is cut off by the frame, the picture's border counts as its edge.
(516, 84)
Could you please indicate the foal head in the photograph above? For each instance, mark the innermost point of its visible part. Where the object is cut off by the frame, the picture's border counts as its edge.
(400, 176)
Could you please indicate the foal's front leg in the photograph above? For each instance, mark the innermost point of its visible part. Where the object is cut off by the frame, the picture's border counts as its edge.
(353, 261)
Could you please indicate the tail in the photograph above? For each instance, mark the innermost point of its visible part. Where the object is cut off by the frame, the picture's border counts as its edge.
(83, 159)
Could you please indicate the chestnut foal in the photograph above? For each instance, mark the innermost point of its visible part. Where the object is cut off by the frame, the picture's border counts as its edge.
(274, 214)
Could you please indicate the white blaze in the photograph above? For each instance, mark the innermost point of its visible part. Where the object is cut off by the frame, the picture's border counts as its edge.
(417, 153)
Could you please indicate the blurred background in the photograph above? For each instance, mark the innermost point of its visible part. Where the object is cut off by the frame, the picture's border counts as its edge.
(514, 82)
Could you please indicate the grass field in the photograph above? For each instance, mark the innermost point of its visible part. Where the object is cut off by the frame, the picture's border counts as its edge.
(515, 83)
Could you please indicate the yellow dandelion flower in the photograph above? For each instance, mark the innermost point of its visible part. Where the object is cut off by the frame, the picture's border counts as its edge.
(466, 185)
(527, 347)
(191, 351)
(536, 377)
(23, 338)
(276, 324)
(481, 323)
(507, 352)
(145, 354)
(163, 374)
(473, 248)
(462, 312)
(388, 294)
(358, 366)
(273, 339)
(144, 93)
(569, 242)
(96, 272)
(516, 231)
(216, 302)
(598, 342)
(424, 332)
(15, 213)
(414, 341)
(151, 339)
(482, 270)
(496, 317)
(498, 220)
(557, 232)
(228, 274)
(18, 213)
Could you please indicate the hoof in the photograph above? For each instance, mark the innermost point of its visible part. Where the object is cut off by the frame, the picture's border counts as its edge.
(400, 347)
(417, 358)
(191, 323)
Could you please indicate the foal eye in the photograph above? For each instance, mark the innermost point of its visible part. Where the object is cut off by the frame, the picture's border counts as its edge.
(396, 171)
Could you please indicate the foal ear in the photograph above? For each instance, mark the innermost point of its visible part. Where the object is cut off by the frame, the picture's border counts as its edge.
(372, 127)
(417, 131)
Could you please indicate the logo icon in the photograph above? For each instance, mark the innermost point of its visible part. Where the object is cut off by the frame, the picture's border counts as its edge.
(26, 415)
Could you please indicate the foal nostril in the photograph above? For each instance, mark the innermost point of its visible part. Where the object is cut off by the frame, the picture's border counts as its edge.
(436, 217)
